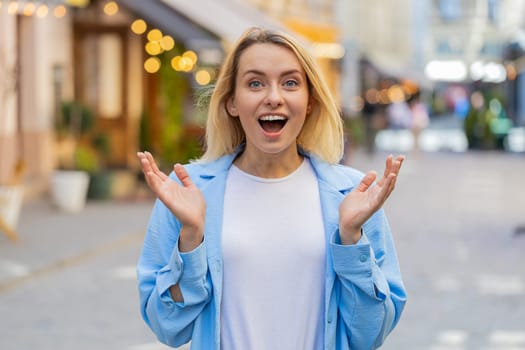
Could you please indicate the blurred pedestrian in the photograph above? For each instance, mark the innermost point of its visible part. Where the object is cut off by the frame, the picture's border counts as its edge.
(399, 115)
(370, 112)
(266, 242)
(420, 118)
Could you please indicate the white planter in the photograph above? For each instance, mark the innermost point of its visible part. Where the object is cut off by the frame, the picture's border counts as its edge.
(69, 190)
(11, 198)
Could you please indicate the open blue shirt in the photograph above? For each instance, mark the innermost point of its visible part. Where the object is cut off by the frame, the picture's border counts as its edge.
(364, 293)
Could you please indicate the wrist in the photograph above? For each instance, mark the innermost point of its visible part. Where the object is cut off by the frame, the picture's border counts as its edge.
(190, 238)
(349, 237)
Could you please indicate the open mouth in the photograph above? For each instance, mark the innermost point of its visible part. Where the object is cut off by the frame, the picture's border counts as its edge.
(272, 123)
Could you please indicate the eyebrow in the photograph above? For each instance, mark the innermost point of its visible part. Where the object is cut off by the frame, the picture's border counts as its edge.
(258, 72)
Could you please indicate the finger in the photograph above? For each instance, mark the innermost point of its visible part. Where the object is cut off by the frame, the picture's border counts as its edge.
(388, 165)
(151, 161)
(398, 163)
(386, 188)
(144, 163)
(396, 169)
(366, 181)
(392, 184)
(183, 175)
(154, 167)
(153, 179)
(392, 167)
(388, 169)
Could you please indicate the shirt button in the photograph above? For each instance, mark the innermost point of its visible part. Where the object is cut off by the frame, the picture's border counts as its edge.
(363, 258)
(329, 320)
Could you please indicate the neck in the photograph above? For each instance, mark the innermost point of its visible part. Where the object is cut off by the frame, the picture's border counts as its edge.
(269, 166)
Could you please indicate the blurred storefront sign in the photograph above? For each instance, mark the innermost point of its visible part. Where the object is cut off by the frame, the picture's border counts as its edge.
(457, 71)
(227, 20)
(77, 3)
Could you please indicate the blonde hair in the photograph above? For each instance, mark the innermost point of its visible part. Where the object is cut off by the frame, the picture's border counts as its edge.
(322, 132)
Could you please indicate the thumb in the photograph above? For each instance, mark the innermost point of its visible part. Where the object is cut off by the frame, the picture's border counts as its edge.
(183, 175)
(366, 181)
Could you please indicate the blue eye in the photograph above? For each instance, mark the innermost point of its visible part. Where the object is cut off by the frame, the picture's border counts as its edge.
(291, 83)
(255, 84)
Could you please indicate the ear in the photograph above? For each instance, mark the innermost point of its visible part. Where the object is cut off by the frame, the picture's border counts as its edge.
(309, 107)
(230, 107)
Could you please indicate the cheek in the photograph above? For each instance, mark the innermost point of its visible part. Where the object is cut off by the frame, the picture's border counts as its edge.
(246, 102)
(303, 106)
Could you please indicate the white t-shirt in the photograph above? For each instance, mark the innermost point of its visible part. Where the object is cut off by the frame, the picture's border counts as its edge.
(274, 250)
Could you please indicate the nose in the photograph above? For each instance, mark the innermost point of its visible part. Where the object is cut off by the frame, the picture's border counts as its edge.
(274, 96)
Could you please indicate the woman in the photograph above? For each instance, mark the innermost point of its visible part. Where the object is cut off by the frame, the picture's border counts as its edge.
(265, 242)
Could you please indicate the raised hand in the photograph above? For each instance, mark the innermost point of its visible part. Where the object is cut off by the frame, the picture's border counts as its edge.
(184, 201)
(360, 204)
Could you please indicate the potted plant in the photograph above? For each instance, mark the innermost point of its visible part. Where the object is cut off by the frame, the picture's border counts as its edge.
(76, 157)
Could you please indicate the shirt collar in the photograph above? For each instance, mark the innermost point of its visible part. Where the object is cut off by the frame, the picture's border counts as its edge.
(330, 174)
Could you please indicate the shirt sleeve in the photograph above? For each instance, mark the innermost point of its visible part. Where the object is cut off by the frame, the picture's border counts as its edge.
(372, 295)
(162, 265)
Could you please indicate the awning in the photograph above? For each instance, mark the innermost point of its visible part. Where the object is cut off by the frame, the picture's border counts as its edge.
(172, 22)
(227, 19)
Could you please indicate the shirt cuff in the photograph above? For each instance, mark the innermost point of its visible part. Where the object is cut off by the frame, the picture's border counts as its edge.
(181, 268)
(194, 263)
(356, 263)
(351, 258)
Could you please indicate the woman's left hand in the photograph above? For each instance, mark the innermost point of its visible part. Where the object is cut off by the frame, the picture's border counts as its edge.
(360, 204)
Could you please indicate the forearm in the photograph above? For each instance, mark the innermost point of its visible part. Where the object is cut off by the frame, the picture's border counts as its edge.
(368, 320)
(176, 293)
(350, 237)
(372, 294)
(173, 296)
(190, 238)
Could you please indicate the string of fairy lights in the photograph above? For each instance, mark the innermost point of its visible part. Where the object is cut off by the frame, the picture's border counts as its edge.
(41, 9)
(157, 42)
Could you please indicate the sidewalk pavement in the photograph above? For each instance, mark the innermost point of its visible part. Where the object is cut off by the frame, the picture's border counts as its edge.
(69, 280)
(50, 239)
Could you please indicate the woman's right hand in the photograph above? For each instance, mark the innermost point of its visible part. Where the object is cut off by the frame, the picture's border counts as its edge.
(186, 202)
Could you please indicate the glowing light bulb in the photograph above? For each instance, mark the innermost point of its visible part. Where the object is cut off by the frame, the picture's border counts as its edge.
(152, 65)
(139, 26)
(60, 11)
(111, 8)
(202, 77)
(42, 11)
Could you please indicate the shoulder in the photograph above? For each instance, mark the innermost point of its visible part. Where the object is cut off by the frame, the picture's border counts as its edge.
(348, 172)
(200, 170)
(338, 175)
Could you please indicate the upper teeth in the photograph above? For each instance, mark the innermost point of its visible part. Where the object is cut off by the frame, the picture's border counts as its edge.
(269, 118)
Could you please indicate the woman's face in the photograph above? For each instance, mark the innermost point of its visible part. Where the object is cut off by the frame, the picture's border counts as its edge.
(271, 99)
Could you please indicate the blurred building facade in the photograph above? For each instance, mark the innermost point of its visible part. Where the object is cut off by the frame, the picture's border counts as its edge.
(315, 21)
(99, 53)
(440, 46)
(131, 63)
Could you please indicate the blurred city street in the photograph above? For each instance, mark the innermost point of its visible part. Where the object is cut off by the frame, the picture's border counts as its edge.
(457, 218)
(86, 84)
